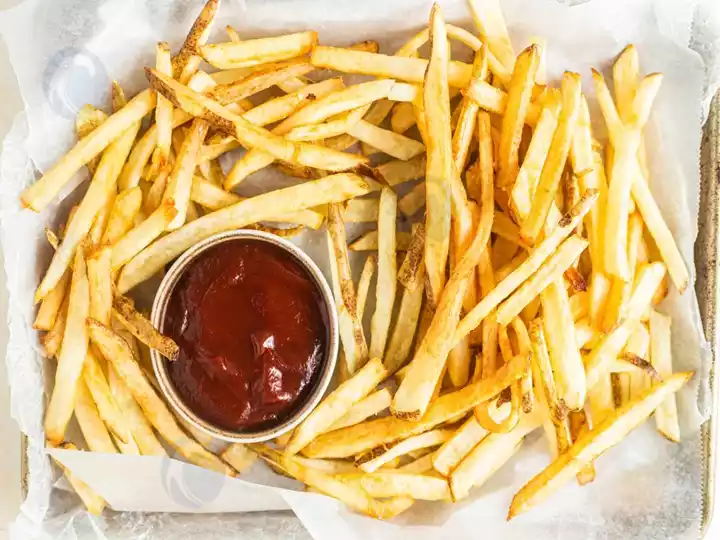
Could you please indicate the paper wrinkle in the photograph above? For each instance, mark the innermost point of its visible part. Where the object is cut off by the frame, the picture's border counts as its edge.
(647, 488)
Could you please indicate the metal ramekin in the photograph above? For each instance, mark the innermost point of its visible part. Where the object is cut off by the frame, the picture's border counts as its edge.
(328, 364)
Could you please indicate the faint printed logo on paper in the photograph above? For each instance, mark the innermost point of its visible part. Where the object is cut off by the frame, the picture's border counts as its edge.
(188, 485)
(74, 77)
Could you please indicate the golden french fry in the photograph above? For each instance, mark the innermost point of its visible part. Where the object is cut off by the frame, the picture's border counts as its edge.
(187, 60)
(406, 325)
(337, 404)
(403, 117)
(398, 171)
(666, 415)
(42, 192)
(239, 456)
(365, 436)
(513, 121)
(386, 141)
(91, 425)
(593, 443)
(424, 440)
(381, 65)
(364, 409)
(555, 162)
(354, 345)
(411, 271)
(369, 241)
(116, 350)
(440, 165)
(179, 183)
(92, 501)
(140, 327)
(50, 306)
(451, 453)
(363, 287)
(100, 279)
(384, 484)
(87, 120)
(122, 215)
(387, 273)
(72, 354)
(410, 203)
(361, 210)
(490, 22)
(137, 239)
(163, 110)
(258, 51)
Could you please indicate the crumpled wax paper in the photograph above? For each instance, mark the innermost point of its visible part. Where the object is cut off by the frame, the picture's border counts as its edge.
(65, 52)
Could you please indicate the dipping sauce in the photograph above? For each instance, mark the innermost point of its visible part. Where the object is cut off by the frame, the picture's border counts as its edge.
(252, 330)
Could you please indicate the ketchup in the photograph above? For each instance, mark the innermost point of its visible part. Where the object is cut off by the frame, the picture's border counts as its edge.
(252, 330)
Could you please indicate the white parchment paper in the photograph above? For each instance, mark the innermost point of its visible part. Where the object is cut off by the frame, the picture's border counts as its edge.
(65, 52)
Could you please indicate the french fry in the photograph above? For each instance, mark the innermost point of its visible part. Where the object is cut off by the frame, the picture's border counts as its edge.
(487, 457)
(365, 436)
(384, 484)
(140, 327)
(400, 171)
(556, 264)
(179, 183)
(386, 141)
(451, 453)
(402, 117)
(187, 60)
(513, 122)
(354, 496)
(239, 456)
(258, 51)
(163, 110)
(666, 415)
(531, 168)
(490, 22)
(467, 117)
(364, 409)
(591, 444)
(72, 354)
(336, 405)
(116, 350)
(387, 273)
(41, 193)
(52, 340)
(487, 363)
(410, 274)
(361, 211)
(406, 325)
(137, 239)
(440, 166)
(369, 241)
(87, 120)
(380, 65)
(410, 203)
(354, 345)
(91, 425)
(555, 161)
(143, 436)
(99, 274)
(424, 440)
(50, 306)
(92, 501)
(363, 287)
(125, 209)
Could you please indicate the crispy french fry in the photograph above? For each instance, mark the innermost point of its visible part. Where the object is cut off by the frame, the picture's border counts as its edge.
(72, 354)
(364, 409)
(399, 171)
(99, 274)
(467, 117)
(363, 287)
(239, 456)
(117, 351)
(555, 162)
(87, 120)
(258, 51)
(137, 239)
(518, 101)
(387, 273)
(337, 404)
(163, 110)
(369, 242)
(410, 203)
(666, 415)
(403, 117)
(452, 452)
(386, 141)
(361, 210)
(122, 216)
(410, 274)
(354, 345)
(591, 444)
(384, 484)
(50, 306)
(42, 192)
(91, 425)
(487, 457)
(440, 166)
(92, 501)
(140, 327)
(490, 22)
(187, 60)
(406, 325)
(424, 440)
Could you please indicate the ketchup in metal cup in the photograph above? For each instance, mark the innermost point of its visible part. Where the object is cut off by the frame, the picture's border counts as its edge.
(252, 330)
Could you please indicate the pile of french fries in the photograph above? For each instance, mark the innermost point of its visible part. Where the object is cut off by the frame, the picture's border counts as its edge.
(524, 297)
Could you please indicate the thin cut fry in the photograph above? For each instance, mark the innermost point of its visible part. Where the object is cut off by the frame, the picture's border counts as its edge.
(137, 239)
(399, 171)
(406, 325)
(363, 287)
(91, 425)
(92, 501)
(384, 484)
(425, 440)
(239, 456)
(122, 215)
(666, 415)
(258, 51)
(163, 110)
(489, 19)
(364, 409)
(142, 328)
(452, 452)
(386, 141)
(72, 354)
(100, 282)
(50, 307)
(369, 241)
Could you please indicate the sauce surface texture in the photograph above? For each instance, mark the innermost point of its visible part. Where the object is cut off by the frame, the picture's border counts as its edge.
(252, 330)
